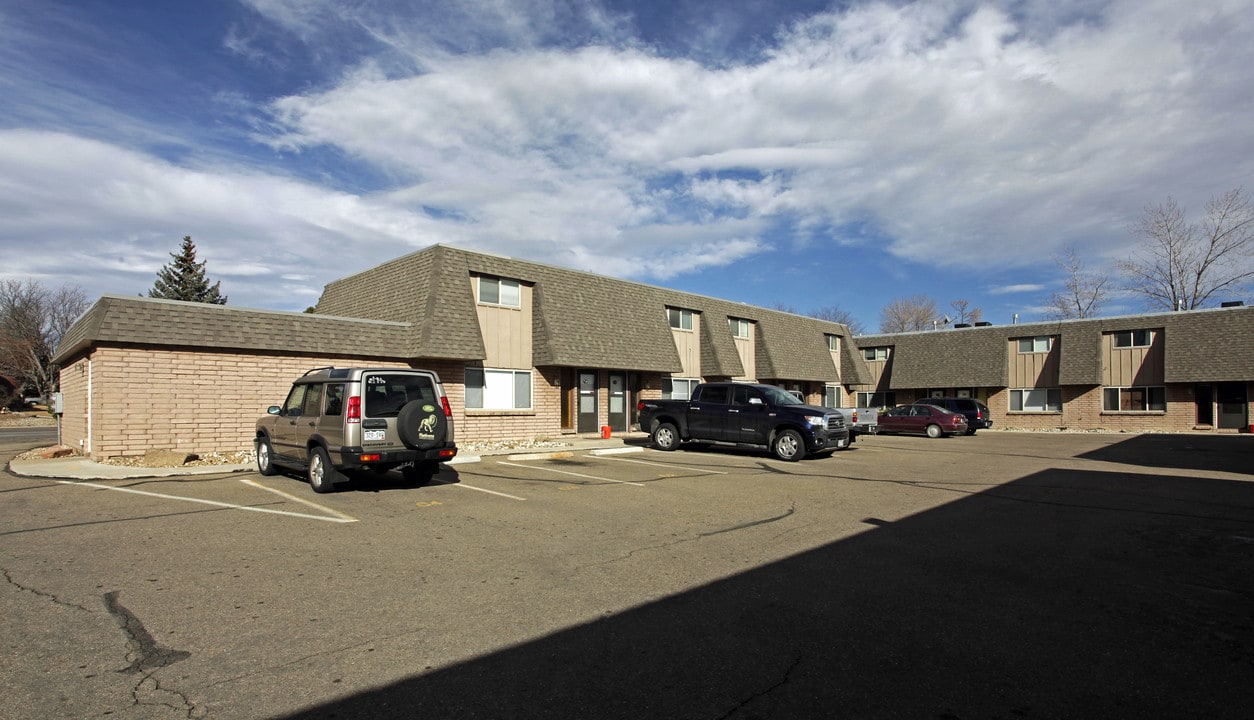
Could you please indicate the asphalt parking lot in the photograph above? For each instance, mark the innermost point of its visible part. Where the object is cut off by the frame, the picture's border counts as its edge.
(1000, 575)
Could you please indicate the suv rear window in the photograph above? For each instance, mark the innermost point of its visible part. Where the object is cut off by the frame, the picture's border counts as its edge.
(386, 394)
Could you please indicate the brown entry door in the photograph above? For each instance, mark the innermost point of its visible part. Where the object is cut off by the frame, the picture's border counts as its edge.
(588, 410)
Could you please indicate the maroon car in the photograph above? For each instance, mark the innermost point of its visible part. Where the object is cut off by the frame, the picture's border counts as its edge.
(922, 419)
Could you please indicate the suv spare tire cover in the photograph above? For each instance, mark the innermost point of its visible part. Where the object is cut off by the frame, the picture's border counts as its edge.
(421, 425)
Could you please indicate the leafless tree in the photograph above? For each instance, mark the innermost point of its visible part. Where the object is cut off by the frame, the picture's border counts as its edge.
(837, 315)
(32, 320)
(1085, 292)
(1184, 264)
(917, 312)
(964, 313)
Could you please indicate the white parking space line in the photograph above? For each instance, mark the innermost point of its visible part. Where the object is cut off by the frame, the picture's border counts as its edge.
(677, 467)
(482, 490)
(575, 474)
(303, 501)
(215, 503)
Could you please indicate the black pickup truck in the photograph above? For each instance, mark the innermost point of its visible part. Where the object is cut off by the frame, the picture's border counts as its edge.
(745, 414)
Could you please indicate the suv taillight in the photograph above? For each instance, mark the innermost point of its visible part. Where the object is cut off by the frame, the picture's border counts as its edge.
(354, 409)
(448, 411)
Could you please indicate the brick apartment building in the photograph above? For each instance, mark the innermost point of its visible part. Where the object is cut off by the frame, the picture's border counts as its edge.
(527, 350)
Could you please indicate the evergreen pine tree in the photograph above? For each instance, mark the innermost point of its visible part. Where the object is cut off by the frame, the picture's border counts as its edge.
(184, 279)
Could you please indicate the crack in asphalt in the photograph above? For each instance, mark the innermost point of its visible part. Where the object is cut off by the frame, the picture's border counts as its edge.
(40, 593)
(787, 677)
(147, 657)
(753, 523)
(791, 510)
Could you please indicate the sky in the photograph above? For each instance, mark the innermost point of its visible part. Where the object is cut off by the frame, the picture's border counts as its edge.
(783, 153)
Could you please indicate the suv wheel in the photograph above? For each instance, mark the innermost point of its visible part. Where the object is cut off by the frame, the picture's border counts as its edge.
(322, 475)
(265, 457)
(420, 473)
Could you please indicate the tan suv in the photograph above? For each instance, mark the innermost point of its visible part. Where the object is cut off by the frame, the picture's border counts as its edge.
(378, 419)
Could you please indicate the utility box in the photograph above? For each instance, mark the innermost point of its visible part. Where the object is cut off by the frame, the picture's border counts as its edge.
(54, 403)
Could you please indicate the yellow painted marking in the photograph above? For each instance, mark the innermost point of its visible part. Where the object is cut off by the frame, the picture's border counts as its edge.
(428, 503)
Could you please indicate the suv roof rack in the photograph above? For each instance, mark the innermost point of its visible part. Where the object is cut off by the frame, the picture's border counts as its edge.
(318, 369)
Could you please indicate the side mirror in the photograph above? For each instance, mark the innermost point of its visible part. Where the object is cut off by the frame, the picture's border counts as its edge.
(756, 401)
(274, 410)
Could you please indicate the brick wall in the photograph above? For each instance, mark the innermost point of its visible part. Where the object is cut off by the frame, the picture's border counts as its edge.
(189, 400)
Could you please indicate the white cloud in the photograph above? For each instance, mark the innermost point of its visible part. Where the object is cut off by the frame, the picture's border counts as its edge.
(988, 143)
(947, 132)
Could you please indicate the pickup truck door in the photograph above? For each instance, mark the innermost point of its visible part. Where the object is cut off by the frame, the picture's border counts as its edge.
(749, 417)
(707, 415)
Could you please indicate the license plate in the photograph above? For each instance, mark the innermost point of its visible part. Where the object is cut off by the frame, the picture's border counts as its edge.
(373, 435)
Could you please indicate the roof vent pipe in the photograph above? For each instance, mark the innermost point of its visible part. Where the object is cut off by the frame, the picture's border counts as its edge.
(1015, 319)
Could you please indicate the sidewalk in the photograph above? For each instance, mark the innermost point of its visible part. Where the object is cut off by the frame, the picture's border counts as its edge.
(80, 468)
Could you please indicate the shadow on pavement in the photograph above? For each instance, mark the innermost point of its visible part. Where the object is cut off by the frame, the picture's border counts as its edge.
(1222, 453)
(1064, 594)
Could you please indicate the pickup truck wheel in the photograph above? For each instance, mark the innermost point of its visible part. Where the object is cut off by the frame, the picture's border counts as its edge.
(934, 431)
(666, 437)
(789, 446)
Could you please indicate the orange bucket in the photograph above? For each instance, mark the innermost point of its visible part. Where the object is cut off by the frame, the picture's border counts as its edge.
(605, 431)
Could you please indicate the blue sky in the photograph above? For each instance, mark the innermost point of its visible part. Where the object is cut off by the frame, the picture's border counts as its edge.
(792, 153)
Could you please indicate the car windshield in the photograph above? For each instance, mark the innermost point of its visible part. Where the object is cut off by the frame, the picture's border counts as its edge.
(779, 396)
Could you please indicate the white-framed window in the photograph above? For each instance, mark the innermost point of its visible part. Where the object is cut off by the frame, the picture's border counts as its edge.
(877, 399)
(831, 396)
(499, 291)
(1133, 338)
(739, 327)
(680, 319)
(875, 353)
(678, 388)
(1039, 344)
(1036, 400)
(833, 343)
(1134, 399)
(489, 389)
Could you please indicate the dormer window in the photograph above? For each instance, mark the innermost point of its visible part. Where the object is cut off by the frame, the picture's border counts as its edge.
(499, 291)
(679, 319)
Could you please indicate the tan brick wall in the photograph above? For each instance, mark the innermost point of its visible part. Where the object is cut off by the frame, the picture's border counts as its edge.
(188, 400)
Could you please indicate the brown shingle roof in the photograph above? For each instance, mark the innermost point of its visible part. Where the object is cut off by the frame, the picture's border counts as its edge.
(1214, 345)
(422, 306)
(580, 319)
(148, 321)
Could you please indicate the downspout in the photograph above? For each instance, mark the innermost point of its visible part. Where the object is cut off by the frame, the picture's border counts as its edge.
(87, 439)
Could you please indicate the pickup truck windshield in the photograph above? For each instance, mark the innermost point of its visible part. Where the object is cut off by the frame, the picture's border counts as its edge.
(779, 396)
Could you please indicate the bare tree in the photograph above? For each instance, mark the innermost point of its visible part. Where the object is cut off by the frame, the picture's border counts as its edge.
(836, 315)
(32, 320)
(1184, 264)
(964, 313)
(917, 312)
(1085, 292)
